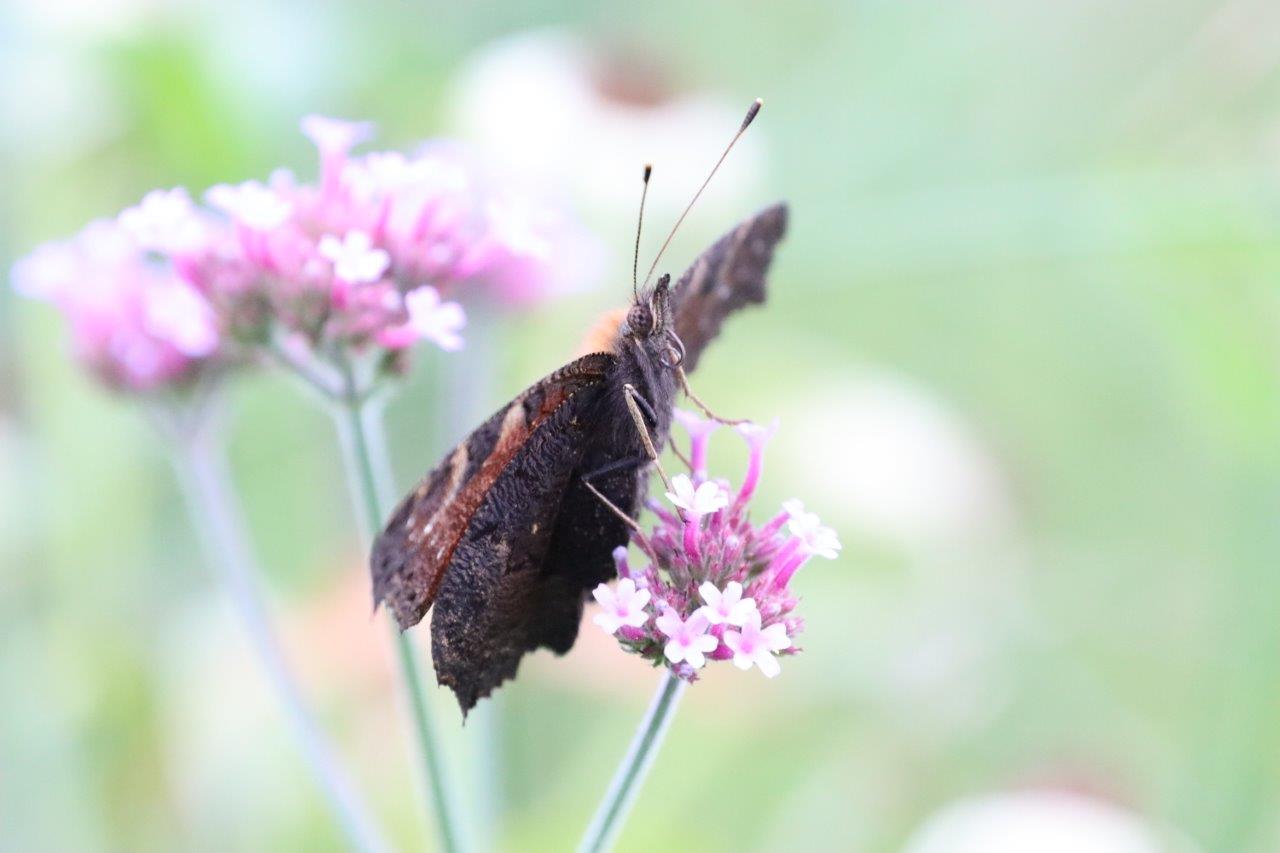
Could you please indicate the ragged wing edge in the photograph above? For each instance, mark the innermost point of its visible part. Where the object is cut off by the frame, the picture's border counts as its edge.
(409, 558)
(727, 276)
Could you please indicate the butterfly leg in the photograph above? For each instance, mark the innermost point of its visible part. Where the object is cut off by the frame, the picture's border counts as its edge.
(688, 392)
(653, 418)
(643, 404)
(609, 469)
(634, 401)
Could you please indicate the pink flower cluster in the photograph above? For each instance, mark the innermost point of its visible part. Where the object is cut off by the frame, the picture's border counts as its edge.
(714, 586)
(135, 322)
(369, 255)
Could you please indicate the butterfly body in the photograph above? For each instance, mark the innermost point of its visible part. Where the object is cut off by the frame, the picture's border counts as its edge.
(504, 538)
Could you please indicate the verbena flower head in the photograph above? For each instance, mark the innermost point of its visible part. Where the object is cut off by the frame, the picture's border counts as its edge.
(714, 585)
(373, 254)
(376, 250)
(136, 322)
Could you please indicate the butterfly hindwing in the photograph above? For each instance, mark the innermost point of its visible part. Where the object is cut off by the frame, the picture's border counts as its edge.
(724, 278)
(588, 531)
(411, 556)
(501, 596)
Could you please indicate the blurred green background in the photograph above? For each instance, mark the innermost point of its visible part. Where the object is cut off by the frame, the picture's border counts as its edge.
(1023, 340)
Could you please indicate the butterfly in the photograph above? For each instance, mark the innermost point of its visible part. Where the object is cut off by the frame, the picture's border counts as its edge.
(507, 535)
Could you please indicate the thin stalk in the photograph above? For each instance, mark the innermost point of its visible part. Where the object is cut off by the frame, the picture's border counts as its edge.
(211, 503)
(311, 370)
(629, 776)
(466, 387)
(364, 450)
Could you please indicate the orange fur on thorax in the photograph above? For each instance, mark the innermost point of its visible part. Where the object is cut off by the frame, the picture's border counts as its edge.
(603, 336)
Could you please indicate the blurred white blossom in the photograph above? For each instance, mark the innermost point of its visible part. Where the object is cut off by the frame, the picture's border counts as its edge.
(558, 109)
(903, 466)
(1043, 821)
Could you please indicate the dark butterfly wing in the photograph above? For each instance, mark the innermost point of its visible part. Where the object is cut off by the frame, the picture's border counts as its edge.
(724, 278)
(454, 504)
(501, 596)
(587, 531)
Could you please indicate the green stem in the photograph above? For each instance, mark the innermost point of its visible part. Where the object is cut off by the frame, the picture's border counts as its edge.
(466, 389)
(365, 453)
(630, 774)
(212, 506)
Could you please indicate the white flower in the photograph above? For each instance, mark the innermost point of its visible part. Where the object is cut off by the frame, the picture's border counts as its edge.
(335, 136)
(376, 174)
(805, 526)
(354, 258)
(552, 108)
(515, 225)
(687, 640)
(911, 469)
(621, 606)
(695, 424)
(433, 319)
(728, 607)
(756, 434)
(141, 356)
(251, 204)
(753, 646)
(1048, 821)
(176, 312)
(47, 272)
(164, 221)
(703, 500)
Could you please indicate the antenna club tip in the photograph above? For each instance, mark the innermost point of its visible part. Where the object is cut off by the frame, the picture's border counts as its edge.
(751, 113)
(648, 171)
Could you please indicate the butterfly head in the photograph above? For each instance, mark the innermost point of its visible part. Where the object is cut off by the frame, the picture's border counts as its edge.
(650, 324)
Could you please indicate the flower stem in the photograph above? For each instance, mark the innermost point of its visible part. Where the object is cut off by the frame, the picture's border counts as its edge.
(214, 514)
(466, 388)
(367, 468)
(622, 792)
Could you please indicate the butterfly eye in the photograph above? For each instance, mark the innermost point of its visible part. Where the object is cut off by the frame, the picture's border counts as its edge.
(640, 320)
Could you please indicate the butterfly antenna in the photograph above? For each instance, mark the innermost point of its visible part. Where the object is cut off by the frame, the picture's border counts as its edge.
(746, 122)
(635, 257)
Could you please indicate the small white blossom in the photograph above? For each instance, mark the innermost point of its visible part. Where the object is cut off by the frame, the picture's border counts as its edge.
(438, 174)
(753, 646)
(756, 433)
(335, 136)
(687, 640)
(354, 258)
(705, 499)
(176, 312)
(727, 607)
(377, 174)
(141, 357)
(623, 605)
(435, 320)
(251, 204)
(514, 225)
(47, 272)
(815, 538)
(695, 424)
(164, 221)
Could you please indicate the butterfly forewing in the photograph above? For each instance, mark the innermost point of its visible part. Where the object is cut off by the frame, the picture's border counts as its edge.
(724, 278)
(410, 557)
(501, 597)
